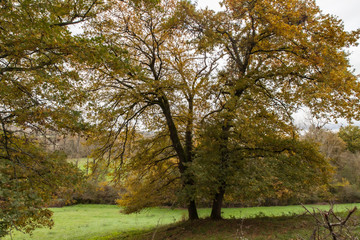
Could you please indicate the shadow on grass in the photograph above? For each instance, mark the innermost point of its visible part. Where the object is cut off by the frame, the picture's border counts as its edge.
(259, 228)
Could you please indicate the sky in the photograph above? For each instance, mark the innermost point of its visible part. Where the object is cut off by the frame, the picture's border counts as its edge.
(348, 11)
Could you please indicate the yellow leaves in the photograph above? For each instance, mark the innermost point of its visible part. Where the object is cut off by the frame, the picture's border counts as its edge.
(281, 192)
(280, 54)
(148, 189)
(343, 183)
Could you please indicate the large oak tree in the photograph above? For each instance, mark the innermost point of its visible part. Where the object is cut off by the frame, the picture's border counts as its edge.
(280, 56)
(147, 76)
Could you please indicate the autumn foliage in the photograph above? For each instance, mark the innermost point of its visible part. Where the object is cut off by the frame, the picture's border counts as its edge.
(182, 104)
(199, 104)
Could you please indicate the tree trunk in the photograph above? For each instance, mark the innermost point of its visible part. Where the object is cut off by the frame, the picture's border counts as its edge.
(217, 204)
(184, 155)
(78, 146)
(54, 142)
(193, 214)
(224, 164)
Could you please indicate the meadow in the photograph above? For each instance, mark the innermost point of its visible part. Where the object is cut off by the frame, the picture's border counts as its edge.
(85, 222)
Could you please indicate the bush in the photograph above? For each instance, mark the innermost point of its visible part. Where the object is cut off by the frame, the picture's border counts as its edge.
(89, 192)
(97, 193)
(348, 194)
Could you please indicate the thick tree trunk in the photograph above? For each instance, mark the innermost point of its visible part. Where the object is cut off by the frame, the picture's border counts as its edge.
(224, 159)
(217, 204)
(184, 155)
(224, 140)
(193, 214)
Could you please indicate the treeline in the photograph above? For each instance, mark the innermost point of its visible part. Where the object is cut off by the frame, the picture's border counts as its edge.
(73, 145)
(341, 148)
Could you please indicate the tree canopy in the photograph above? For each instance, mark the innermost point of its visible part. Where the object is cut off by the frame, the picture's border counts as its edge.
(351, 136)
(37, 94)
(151, 70)
(152, 79)
(281, 56)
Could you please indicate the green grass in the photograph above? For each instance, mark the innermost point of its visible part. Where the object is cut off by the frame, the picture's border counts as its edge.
(106, 222)
(82, 162)
(290, 227)
(273, 211)
(89, 221)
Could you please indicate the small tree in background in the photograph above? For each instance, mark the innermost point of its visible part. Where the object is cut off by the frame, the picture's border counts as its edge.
(351, 136)
(346, 182)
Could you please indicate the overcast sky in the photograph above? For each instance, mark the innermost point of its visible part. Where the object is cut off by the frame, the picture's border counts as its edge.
(348, 11)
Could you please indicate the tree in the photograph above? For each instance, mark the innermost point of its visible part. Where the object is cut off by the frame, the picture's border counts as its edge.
(282, 55)
(331, 145)
(36, 94)
(29, 178)
(351, 136)
(345, 183)
(265, 163)
(148, 76)
(150, 175)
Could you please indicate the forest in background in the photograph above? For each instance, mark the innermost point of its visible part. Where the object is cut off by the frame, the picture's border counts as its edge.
(341, 148)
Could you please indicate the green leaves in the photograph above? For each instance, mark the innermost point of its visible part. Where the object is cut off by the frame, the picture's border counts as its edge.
(29, 178)
(39, 90)
(351, 136)
(261, 163)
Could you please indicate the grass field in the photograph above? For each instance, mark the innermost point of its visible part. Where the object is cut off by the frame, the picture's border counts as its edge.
(82, 222)
(81, 162)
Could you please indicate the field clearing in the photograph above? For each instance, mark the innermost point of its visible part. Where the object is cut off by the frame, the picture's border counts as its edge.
(83, 222)
(81, 162)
